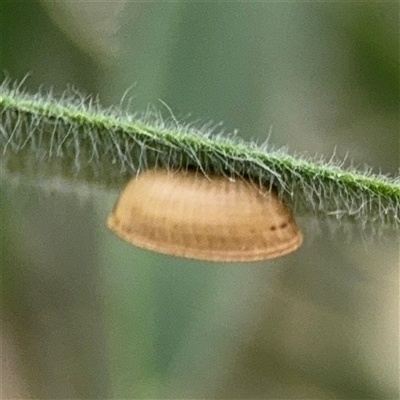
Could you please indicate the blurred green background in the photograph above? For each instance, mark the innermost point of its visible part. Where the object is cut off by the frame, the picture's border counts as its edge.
(85, 315)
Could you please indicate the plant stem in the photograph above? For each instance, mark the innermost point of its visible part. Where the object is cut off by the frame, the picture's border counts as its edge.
(74, 138)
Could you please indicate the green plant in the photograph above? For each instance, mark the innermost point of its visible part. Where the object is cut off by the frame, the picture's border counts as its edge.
(75, 139)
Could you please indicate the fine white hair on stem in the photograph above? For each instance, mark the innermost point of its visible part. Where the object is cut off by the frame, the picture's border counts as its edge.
(75, 138)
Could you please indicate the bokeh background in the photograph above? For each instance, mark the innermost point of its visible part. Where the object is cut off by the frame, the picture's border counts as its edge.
(85, 315)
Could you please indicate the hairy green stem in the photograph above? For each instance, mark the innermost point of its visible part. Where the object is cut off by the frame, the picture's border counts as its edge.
(74, 138)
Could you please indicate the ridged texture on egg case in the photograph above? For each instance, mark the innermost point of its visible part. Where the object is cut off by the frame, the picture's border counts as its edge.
(185, 213)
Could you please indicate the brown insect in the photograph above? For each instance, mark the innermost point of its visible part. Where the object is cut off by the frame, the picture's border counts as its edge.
(185, 213)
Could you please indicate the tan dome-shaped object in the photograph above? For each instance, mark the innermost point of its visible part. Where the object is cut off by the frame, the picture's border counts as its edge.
(187, 214)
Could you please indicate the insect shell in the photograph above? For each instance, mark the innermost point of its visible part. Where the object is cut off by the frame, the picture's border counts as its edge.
(187, 214)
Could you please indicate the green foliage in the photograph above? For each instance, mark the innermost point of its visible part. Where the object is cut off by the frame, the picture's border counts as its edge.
(74, 138)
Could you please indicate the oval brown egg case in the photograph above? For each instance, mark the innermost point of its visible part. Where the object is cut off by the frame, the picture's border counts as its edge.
(188, 214)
